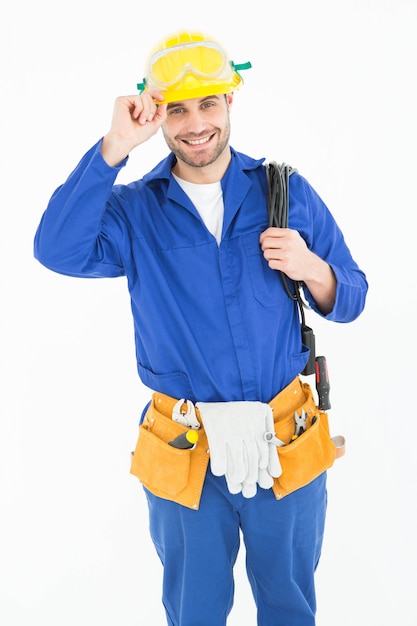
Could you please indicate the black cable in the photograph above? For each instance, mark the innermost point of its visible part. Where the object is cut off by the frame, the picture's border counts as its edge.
(278, 177)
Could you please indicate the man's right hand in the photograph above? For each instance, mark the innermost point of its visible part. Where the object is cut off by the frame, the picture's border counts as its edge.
(135, 120)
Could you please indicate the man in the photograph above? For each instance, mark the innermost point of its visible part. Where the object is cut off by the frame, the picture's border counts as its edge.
(217, 336)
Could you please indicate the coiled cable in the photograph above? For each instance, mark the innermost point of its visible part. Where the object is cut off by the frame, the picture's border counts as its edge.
(278, 177)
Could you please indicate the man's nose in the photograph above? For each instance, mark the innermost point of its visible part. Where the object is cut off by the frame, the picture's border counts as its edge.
(195, 122)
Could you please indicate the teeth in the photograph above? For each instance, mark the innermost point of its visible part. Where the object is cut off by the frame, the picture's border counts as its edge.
(197, 142)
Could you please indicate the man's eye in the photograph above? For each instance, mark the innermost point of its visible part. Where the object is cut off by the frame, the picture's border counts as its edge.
(176, 111)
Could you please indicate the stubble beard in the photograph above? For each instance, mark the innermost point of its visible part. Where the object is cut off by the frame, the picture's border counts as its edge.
(201, 158)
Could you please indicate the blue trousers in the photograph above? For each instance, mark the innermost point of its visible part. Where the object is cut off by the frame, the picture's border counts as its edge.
(198, 549)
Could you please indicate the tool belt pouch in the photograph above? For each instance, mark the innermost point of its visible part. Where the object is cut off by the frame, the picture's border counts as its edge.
(311, 453)
(168, 472)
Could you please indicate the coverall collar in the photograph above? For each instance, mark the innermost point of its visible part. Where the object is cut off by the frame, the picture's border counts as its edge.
(235, 183)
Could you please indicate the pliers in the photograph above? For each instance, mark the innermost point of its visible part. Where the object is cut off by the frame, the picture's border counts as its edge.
(185, 416)
(300, 428)
(300, 424)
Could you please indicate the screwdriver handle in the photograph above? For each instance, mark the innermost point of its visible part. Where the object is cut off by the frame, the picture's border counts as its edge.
(185, 441)
(322, 383)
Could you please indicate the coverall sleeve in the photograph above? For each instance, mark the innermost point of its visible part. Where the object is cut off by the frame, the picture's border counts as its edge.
(73, 236)
(324, 237)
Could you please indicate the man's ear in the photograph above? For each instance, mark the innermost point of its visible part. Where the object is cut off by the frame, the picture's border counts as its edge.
(229, 99)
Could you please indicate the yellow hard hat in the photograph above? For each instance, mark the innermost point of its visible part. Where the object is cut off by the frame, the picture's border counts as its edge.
(190, 64)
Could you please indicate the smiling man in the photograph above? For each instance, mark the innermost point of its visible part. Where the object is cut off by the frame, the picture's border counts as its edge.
(197, 131)
(217, 335)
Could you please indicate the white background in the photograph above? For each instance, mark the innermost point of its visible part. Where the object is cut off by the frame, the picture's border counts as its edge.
(332, 92)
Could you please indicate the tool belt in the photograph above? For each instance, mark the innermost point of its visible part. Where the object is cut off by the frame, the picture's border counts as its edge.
(178, 474)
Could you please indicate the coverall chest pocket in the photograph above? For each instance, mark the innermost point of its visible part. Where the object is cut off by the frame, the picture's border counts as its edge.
(266, 283)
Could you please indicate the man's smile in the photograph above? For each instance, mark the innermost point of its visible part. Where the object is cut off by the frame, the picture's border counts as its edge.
(198, 142)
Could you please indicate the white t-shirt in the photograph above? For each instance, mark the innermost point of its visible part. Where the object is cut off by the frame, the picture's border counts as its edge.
(208, 200)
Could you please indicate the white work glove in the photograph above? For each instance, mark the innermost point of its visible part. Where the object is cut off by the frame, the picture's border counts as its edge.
(238, 447)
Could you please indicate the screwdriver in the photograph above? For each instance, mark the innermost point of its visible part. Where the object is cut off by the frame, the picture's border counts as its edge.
(184, 441)
(322, 383)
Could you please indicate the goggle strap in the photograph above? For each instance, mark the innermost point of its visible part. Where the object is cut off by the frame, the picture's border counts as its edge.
(241, 66)
(141, 86)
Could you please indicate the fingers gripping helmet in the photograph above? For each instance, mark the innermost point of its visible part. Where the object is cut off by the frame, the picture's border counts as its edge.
(190, 65)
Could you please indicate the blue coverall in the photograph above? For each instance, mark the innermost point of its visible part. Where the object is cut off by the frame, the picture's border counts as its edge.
(211, 323)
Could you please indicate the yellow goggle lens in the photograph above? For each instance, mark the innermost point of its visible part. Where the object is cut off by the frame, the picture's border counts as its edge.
(169, 66)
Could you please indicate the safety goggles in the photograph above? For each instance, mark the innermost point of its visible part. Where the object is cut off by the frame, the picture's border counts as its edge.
(206, 60)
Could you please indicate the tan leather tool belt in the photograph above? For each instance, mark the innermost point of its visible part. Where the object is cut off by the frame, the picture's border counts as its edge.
(178, 474)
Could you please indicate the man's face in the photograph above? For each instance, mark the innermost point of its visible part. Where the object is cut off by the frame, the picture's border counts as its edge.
(197, 131)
